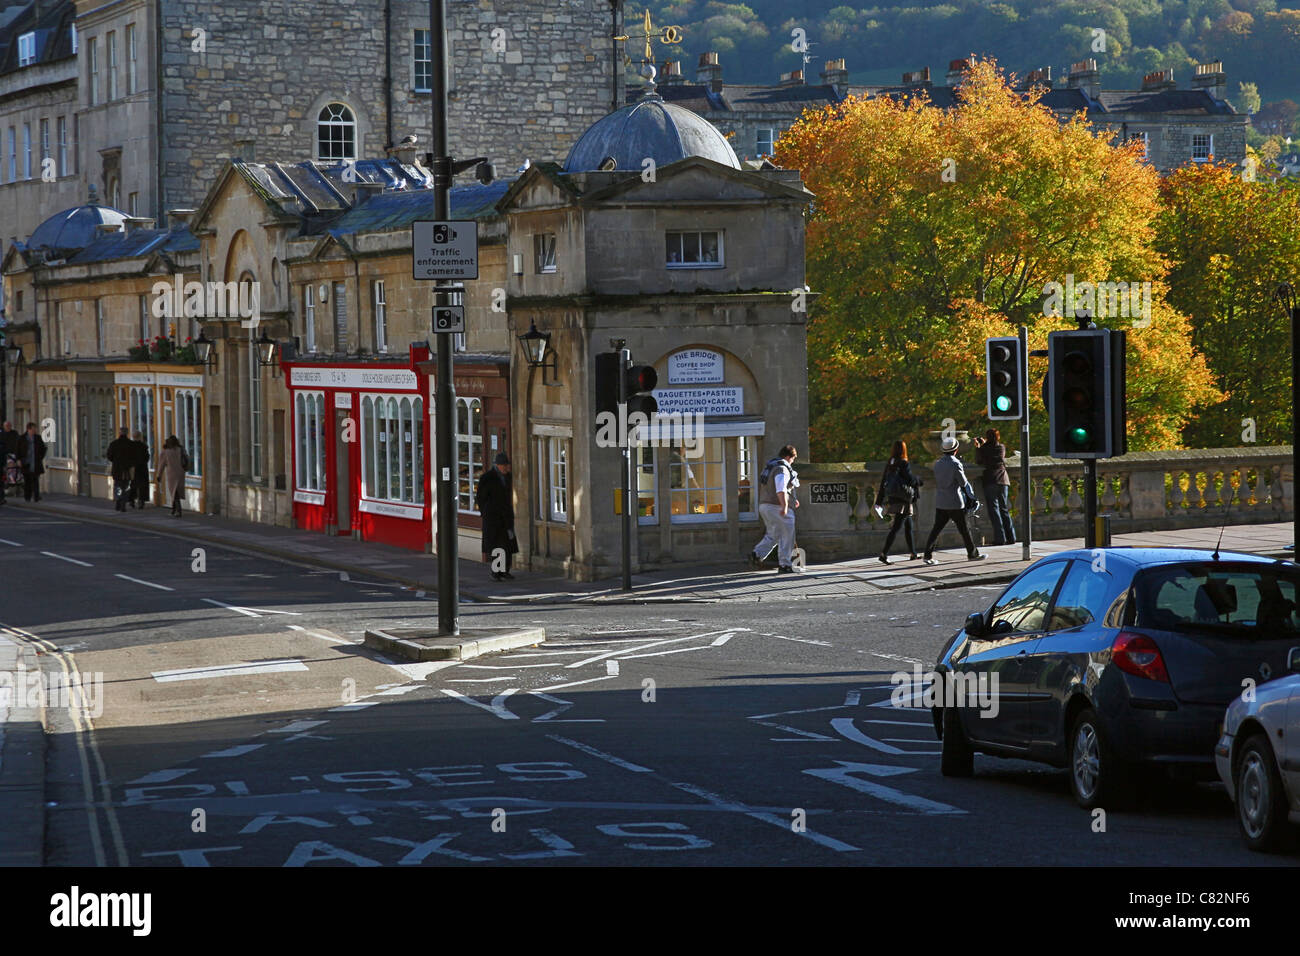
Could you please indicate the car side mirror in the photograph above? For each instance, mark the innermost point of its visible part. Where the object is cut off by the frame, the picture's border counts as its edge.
(975, 624)
(1293, 660)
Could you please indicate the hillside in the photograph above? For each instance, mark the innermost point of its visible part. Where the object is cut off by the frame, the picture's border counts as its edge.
(1257, 40)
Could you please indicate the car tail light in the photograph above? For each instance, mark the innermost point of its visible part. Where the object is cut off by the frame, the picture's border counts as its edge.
(1138, 654)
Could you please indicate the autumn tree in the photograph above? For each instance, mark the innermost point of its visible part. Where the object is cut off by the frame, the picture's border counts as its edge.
(1233, 242)
(933, 229)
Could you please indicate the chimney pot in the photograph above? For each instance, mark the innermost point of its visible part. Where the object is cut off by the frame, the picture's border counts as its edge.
(179, 218)
(917, 78)
(793, 78)
(709, 72)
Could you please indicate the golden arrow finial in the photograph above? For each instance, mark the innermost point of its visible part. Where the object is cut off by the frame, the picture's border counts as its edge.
(667, 35)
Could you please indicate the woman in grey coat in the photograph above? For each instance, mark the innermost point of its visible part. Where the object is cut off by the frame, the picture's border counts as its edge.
(171, 473)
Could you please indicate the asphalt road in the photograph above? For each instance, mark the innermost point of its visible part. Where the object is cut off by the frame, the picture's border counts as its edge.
(238, 721)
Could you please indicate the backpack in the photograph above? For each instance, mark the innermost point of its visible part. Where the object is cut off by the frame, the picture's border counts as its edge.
(770, 468)
(185, 460)
(896, 490)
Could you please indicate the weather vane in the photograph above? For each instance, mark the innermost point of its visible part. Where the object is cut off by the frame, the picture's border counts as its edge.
(667, 35)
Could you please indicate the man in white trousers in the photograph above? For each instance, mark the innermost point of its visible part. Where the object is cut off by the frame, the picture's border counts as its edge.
(776, 503)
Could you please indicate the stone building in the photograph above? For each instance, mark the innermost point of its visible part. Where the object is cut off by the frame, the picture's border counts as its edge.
(694, 271)
(149, 99)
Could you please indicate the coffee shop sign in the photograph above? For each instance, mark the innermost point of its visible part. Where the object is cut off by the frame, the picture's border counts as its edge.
(695, 367)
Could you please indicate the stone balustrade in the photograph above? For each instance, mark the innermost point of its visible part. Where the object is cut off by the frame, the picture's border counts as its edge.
(1142, 491)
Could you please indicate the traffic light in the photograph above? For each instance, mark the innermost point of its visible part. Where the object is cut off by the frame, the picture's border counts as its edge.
(639, 382)
(1006, 374)
(609, 368)
(1085, 371)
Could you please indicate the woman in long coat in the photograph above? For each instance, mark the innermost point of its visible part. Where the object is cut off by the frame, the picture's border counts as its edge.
(171, 473)
(495, 501)
(897, 494)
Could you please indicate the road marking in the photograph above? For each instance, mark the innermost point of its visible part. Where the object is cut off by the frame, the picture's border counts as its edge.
(499, 667)
(800, 640)
(599, 754)
(494, 708)
(772, 818)
(51, 554)
(230, 670)
(611, 668)
(843, 775)
(903, 701)
(564, 705)
(148, 584)
(238, 751)
(803, 734)
(718, 642)
(575, 683)
(160, 776)
(844, 727)
(354, 705)
(480, 680)
(676, 650)
(901, 723)
(806, 710)
(298, 726)
(250, 611)
(643, 647)
(896, 657)
(7, 541)
(323, 637)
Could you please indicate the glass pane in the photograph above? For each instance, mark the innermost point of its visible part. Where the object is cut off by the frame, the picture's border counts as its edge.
(691, 247)
(710, 242)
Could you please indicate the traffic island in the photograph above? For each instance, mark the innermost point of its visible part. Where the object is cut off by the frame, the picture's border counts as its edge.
(426, 644)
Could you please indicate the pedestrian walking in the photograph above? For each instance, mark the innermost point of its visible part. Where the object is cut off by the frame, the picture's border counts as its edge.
(140, 471)
(951, 500)
(31, 455)
(494, 499)
(121, 459)
(899, 489)
(8, 452)
(777, 500)
(992, 455)
(173, 462)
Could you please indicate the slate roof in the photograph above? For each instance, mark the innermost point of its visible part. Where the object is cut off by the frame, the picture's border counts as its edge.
(700, 98)
(52, 28)
(71, 229)
(398, 210)
(135, 244)
(1162, 101)
(316, 189)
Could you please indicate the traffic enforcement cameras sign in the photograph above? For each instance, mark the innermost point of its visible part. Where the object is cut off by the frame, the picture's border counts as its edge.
(449, 318)
(444, 250)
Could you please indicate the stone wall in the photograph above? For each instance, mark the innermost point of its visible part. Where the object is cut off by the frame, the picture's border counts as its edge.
(268, 68)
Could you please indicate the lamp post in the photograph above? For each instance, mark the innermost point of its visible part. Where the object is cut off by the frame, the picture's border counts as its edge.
(1286, 297)
(538, 351)
(204, 350)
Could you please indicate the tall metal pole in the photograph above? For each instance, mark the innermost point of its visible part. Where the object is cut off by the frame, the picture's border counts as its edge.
(625, 440)
(445, 417)
(1026, 535)
(1090, 502)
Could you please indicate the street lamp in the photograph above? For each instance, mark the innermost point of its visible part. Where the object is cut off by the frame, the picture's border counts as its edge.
(1286, 297)
(266, 347)
(538, 352)
(204, 350)
(13, 355)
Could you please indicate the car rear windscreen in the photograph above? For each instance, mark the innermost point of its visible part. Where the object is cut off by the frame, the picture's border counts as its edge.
(1251, 601)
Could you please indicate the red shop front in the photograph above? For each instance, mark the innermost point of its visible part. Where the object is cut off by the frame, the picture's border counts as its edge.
(362, 449)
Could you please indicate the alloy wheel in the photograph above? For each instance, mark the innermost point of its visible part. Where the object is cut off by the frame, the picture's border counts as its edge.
(1253, 799)
(1087, 761)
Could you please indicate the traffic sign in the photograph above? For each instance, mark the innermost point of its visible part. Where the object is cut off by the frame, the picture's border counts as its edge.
(444, 249)
(449, 318)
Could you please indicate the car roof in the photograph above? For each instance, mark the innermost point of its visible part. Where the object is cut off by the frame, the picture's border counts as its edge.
(1150, 557)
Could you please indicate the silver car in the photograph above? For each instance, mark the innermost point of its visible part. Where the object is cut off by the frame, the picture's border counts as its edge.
(1258, 758)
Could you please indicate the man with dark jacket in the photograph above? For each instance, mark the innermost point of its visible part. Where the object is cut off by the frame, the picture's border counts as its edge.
(31, 455)
(494, 499)
(140, 471)
(121, 459)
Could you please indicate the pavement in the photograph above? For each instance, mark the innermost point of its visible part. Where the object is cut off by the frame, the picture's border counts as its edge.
(859, 577)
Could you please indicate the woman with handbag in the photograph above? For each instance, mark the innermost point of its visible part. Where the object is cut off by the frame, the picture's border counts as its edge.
(899, 489)
(172, 464)
(991, 454)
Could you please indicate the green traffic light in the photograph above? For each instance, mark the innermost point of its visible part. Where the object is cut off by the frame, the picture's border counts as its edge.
(1003, 403)
(1080, 435)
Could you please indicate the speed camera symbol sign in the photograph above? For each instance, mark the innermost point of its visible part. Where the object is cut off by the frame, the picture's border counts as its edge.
(444, 249)
(449, 318)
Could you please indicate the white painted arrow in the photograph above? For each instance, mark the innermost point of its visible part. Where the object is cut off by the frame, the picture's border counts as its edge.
(844, 775)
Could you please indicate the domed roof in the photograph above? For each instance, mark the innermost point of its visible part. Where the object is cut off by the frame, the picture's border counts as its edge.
(648, 128)
(74, 228)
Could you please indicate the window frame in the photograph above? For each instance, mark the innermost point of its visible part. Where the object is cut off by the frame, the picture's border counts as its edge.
(1061, 567)
(1209, 147)
(309, 316)
(758, 140)
(343, 147)
(416, 61)
(691, 465)
(132, 74)
(409, 409)
(110, 66)
(380, 305)
(544, 253)
(100, 337)
(469, 451)
(27, 150)
(309, 441)
(27, 40)
(556, 466)
(92, 70)
(61, 129)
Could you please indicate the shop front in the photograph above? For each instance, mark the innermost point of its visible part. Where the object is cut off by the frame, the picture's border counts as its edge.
(361, 450)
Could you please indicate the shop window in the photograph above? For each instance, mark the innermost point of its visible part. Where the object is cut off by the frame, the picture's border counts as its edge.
(189, 426)
(698, 485)
(693, 250)
(99, 427)
(469, 450)
(140, 409)
(647, 491)
(309, 437)
(61, 412)
(746, 468)
(254, 409)
(392, 448)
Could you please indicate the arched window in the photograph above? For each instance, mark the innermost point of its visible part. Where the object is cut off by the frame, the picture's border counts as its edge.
(336, 133)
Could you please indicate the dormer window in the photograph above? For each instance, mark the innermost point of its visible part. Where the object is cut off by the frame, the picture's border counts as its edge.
(544, 252)
(27, 49)
(693, 250)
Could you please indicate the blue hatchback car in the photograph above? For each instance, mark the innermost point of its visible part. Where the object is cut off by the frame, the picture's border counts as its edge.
(1111, 660)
